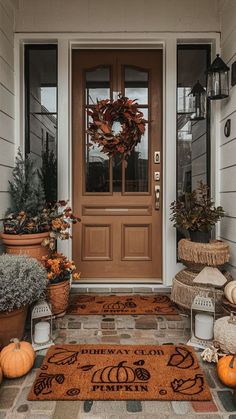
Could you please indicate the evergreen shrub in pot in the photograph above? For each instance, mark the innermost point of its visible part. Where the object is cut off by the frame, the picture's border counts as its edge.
(194, 214)
(23, 281)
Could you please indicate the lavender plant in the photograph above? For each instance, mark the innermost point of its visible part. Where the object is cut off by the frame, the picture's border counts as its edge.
(23, 281)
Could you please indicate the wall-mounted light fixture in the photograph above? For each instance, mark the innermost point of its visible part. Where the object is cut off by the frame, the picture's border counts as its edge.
(217, 79)
(198, 94)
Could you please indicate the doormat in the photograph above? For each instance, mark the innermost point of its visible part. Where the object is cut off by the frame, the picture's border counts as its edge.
(113, 304)
(106, 372)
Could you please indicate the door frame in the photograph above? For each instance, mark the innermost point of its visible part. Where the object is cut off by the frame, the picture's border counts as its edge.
(168, 43)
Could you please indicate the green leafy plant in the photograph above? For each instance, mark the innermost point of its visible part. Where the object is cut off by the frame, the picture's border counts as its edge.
(23, 281)
(195, 211)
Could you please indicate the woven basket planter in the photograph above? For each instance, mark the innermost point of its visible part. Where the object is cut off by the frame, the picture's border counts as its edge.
(225, 335)
(184, 290)
(197, 255)
(58, 296)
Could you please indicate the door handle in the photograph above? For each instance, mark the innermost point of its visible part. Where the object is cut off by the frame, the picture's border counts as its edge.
(157, 197)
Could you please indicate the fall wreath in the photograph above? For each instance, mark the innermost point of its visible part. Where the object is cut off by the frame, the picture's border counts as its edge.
(122, 113)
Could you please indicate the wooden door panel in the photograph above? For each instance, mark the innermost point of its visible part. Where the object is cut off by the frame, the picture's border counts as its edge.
(120, 234)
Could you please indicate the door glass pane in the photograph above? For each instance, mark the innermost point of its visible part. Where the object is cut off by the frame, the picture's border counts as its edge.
(97, 84)
(136, 85)
(97, 163)
(136, 173)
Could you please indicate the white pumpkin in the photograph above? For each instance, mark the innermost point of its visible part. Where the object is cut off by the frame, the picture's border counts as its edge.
(230, 292)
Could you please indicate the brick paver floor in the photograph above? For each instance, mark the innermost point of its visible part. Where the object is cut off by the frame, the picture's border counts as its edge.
(116, 330)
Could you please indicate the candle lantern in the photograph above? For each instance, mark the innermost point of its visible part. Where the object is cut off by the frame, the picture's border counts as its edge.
(41, 326)
(198, 94)
(202, 320)
(217, 79)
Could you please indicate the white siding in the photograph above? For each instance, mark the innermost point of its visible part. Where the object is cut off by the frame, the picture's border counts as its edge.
(7, 135)
(117, 16)
(228, 145)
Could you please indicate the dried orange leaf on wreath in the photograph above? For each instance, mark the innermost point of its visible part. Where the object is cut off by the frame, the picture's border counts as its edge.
(105, 128)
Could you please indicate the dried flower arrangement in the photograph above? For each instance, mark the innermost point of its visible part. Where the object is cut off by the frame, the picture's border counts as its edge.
(59, 268)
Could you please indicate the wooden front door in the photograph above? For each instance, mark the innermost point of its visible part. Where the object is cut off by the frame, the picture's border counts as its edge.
(120, 235)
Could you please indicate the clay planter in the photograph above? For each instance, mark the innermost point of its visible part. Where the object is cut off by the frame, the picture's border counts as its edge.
(25, 244)
(12, 324)
(58, 296)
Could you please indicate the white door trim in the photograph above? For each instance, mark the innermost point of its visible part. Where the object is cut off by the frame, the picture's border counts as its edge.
(166, 41)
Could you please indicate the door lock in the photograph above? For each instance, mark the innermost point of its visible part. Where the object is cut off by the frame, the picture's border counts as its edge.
(157, 157)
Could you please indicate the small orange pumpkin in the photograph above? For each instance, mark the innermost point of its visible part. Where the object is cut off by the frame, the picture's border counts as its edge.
(17, 359)
(226, 369)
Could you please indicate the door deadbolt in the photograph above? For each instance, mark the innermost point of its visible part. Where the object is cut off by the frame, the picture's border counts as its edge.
(157, 157)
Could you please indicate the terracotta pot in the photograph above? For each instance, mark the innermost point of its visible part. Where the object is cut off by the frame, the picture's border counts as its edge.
(58, 296)
(12, 324)
(25, 244)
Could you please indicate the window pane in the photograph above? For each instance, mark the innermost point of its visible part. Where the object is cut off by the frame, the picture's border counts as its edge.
(41, 113)
(192, 134)
(97, 85)
(97, 163)
(136, 173)
(136, 85)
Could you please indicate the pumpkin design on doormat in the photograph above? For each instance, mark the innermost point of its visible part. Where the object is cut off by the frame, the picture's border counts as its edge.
(121, 373)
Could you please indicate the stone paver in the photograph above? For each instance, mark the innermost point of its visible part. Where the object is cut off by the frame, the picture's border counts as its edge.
(181, 408)
(7, 396)
(134, 406)
(67, 410)
(226, 398)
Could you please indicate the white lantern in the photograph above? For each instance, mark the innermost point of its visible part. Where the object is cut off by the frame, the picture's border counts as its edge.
(41, 326)
(202, 320)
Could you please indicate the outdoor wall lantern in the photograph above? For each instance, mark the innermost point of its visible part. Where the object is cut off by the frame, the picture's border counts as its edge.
(217, 80)
(198, 94)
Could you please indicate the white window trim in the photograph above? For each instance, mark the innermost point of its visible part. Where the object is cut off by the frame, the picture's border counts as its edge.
(168, 43)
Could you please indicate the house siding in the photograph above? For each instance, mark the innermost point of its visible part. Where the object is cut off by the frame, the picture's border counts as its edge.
(227, 149)
(7, 132)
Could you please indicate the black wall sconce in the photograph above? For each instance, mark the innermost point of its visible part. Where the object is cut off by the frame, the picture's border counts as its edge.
(233, 74)
(198, 94)
(217, 79)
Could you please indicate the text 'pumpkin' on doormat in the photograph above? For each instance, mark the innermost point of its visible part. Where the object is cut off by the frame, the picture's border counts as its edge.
(106, 372)
(86, 304)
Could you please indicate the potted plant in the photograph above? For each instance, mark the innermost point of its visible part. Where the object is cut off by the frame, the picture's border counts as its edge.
(195, 214)
(59, 271)
(31, 225)
(23, 281)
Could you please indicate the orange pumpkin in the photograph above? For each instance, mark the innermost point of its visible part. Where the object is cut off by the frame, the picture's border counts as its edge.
(114, 374)
(226, 369)
(17, 359)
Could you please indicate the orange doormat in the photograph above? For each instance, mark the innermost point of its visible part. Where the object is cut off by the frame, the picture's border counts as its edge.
(106, 372)
(115, 304)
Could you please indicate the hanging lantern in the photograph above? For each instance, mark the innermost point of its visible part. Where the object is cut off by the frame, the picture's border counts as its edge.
(198, 94)
(217, 79)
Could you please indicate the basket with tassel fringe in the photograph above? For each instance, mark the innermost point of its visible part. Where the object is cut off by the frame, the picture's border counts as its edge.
(197, 255)
(184, 290)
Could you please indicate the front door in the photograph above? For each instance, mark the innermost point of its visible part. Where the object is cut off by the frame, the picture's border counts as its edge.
(120, 234)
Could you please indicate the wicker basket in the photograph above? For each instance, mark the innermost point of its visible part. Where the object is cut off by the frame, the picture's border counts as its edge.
(58, 296)
(184, 290)
(197, 255)
(225, 334)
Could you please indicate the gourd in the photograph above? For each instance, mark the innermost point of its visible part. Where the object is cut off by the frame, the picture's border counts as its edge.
(17, 359)
(226, 369)
(230, 292)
